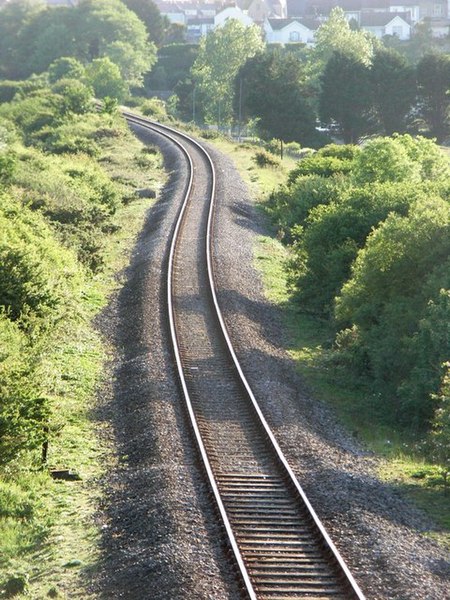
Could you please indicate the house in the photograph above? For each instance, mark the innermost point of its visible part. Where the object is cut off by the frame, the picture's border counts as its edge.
(173, 11)
(232, 12)
(198, 27)
(288, 31)
(411, 7)
(387, 23)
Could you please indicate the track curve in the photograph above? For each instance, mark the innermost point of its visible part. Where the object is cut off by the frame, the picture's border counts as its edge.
(279, 544)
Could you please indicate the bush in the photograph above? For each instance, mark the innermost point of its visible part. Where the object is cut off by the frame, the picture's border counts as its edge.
(35, 272)
(154, 107)
(265, 159)
(326, 162)
(333, 234)
(392, 299)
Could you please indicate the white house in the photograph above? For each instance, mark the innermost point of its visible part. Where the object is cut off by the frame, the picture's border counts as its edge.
(381, 24)
(287, 31)
(232, 12)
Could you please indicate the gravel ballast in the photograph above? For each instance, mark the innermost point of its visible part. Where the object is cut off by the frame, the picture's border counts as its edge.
(160, 539)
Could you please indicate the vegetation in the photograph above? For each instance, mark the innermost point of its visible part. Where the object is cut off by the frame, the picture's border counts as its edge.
(67, 211)
(368, 232)
(220, 56)
(32, 36)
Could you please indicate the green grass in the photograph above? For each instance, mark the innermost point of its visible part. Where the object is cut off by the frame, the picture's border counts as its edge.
(49, 540)
(308, 342)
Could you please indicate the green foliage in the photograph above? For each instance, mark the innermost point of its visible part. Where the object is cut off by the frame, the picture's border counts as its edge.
(221, 54)
(438, 443)
(263, 159)
(32, 39)
(393, 89)
(9, 89)
(433, 80)
(368, 230)
(66, 67)
(154, 107)
(149, 13)
(345, 95)
(271, 88)
(383, 160)
(329, 160)
(174, 65)
(401, 269)
(290, 205)
(105, 78)
(35, 274)
(333, 234)
(77, 97)
(336, 35)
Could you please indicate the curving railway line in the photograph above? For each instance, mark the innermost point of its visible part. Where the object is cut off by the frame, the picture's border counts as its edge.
(279, 545)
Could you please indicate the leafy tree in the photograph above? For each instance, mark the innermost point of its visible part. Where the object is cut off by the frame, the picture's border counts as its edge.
(433, 79)
(335, 232)
(49, 36)
(393, 89)
(336, 35)
(14, 18)
(270, 87)
(149, 13)
(221, 54)
(65, 67)
(345, 95)
(403, 267)
(93, 29)
(105, 78)
(109, 28)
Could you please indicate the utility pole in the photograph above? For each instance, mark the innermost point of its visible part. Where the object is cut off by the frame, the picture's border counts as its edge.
(193, 104)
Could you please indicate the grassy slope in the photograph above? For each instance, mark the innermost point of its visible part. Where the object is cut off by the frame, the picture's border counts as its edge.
(309, 339)
(47, 551)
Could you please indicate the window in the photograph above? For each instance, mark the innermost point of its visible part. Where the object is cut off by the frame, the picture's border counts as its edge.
(398, 31)
(437, 10)
(294, 36)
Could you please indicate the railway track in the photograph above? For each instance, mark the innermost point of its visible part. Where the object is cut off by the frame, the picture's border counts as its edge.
(279, 545)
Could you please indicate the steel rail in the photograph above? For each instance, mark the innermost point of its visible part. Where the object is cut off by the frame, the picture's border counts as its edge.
(170, 134)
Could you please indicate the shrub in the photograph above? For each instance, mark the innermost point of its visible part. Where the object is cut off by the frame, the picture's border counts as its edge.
(329, 160)
(35, 272)
(154, 107)
(392, 299)
(265, 159)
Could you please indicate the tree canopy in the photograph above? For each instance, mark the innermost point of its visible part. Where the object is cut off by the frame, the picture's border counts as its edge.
(270, 88)
(221, 53)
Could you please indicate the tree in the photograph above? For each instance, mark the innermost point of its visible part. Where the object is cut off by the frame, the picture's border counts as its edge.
(105, 78)
(393, 89)
(48, 37)
(109, 28)
(65, 67)
(93, 29)
(336, 35)
(392, 297)
(433, 80)
(221, 54)
(149, 13)
(270, 88)
(345, 95)
(14, 18)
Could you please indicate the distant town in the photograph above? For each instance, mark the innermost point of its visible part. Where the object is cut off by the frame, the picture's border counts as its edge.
(296, 21)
